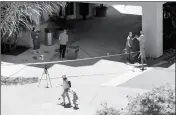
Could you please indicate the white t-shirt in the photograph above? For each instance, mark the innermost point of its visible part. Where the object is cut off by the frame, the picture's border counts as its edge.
(141, 42)
(128, 41)
(63, 38)
(65, 84)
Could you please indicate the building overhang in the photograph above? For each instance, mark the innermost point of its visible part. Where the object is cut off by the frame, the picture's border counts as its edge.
(122, 3)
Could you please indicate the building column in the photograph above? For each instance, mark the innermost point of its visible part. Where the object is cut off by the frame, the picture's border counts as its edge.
(152, 25)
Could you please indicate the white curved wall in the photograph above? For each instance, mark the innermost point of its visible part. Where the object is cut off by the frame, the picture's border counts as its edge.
(152, 25)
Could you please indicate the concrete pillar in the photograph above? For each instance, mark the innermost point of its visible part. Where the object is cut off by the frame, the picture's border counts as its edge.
(152, 25)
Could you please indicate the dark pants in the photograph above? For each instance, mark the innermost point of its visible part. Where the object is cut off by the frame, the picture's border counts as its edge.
(62, 51)
(36, 44)
(128, 56)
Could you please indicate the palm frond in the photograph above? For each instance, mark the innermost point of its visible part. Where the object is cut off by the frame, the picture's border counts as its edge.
(18, 16)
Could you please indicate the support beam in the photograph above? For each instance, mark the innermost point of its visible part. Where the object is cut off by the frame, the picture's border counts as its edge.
(152, 25)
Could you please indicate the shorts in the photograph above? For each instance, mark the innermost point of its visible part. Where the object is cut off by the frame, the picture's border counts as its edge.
(65, 91)
(142, 54)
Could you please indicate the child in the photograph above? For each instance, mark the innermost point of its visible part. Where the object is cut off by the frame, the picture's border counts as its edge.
(75, 98)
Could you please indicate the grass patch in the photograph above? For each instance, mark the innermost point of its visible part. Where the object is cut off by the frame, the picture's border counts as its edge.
(7, 81)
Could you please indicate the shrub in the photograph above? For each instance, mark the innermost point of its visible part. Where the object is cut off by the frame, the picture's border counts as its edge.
(17, 80)
(105, 110)
(159, 101)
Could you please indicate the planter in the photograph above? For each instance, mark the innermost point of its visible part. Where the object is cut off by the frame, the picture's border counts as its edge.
(48, 36)
(72, 52)
(101, 11)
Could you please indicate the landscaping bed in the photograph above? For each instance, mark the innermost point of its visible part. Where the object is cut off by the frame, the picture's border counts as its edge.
(158, 101)
(7, 81)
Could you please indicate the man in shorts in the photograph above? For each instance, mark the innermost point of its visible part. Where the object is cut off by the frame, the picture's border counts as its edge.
(66, 88)
(141, 40)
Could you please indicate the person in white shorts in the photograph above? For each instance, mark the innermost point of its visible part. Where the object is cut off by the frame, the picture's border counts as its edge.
(66, 88)
(141, 40)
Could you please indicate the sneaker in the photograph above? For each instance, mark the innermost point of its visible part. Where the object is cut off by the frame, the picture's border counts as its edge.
(63, 104)
(75, 107)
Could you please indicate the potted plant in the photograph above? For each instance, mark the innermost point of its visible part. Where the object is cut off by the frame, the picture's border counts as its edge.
(169, 25)
(101, 11)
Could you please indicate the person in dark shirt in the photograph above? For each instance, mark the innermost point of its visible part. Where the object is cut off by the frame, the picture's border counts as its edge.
(35, 38)
(128, 47)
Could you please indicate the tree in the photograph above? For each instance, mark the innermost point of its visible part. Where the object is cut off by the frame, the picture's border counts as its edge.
(169, 24)
(17, 17)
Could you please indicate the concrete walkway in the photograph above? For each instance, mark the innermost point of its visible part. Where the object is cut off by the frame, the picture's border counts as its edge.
(49, 53)
(172, 67)
(120, 80)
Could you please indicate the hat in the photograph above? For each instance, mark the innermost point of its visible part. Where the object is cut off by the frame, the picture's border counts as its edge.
(64, 76)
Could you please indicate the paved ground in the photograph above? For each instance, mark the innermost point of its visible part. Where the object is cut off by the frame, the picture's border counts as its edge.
(50, 54)
(172, 67)
(94, 85)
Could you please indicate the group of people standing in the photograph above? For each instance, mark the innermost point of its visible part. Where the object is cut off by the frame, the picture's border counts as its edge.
(63, 39)
(129, 48)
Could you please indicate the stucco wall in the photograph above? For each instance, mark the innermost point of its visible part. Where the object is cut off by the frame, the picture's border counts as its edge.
(152, 24)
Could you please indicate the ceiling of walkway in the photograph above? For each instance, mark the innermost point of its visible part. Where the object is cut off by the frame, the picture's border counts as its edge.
(124, 3)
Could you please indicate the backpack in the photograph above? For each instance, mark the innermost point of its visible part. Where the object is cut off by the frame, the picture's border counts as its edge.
(69, 83)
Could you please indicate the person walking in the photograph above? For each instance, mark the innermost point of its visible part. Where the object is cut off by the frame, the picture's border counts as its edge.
(75, 98)
(66, 87)
(141, 40)
(35, 38)
(63, 38)
(128, 47)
